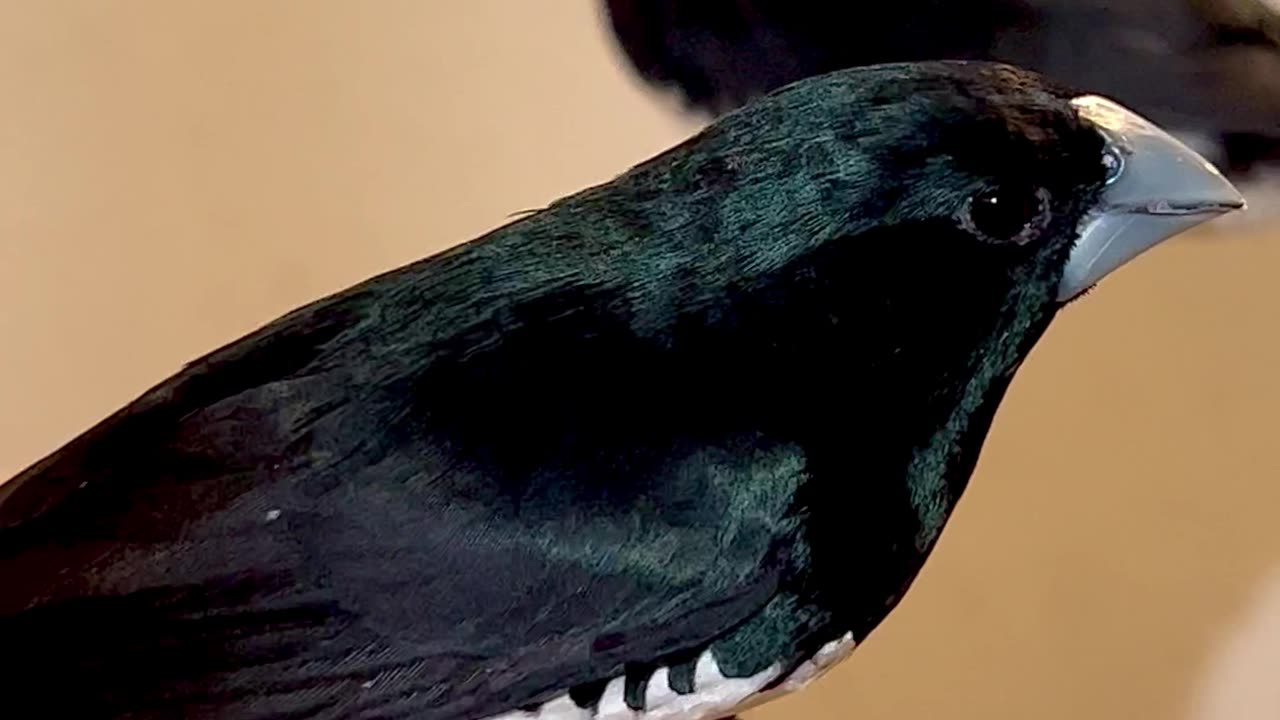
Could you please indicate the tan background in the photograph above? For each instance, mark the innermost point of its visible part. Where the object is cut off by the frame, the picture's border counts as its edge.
(174, 173)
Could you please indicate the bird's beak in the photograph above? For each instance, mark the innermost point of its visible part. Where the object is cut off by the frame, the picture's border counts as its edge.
(1158, 188)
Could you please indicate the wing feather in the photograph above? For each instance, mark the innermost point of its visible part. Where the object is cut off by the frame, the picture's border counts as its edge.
(392, 502)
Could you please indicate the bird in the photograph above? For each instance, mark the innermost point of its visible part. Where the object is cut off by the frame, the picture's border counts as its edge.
(670, 447)
(1208, 70)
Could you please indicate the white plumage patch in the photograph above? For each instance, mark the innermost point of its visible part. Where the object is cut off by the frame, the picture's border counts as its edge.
(827, 657)
(714, 695)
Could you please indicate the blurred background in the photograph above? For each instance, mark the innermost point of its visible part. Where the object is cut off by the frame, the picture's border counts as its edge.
(174, 173)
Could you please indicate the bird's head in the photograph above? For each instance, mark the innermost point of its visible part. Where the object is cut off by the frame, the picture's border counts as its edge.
(939, 213)
(951, 200)
(977, 159)
(913, 229)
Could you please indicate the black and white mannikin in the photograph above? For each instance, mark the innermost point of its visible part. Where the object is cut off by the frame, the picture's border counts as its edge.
(665, 449)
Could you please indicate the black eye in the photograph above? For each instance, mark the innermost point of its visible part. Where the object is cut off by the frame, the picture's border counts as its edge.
(1007, 214)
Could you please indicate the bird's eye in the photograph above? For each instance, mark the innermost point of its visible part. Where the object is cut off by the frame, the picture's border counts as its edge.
(1007, 213)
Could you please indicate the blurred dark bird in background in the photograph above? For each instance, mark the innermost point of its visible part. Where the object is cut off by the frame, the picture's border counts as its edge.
(1208, 70)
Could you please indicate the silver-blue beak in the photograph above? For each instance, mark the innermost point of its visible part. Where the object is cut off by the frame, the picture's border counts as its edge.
(1158, 188)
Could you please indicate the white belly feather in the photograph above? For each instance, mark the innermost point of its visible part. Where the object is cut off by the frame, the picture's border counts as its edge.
(714, 695)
